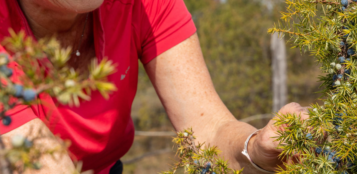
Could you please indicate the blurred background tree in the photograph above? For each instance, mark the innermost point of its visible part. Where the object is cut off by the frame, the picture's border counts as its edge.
(236, 47)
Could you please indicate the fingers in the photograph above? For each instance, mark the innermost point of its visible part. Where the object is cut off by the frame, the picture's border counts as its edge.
(291, 107)
(304, 113)
(295, 108)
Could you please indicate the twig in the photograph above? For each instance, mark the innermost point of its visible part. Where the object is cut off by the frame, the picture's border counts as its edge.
(193, 146)
(289, 32)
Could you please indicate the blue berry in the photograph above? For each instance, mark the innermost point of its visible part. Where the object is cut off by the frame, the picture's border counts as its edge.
(347, 71)
(205, 170)
(338, 120)
(345, 172)
(29, 95)
(343, 8)
(340, 76)
(330, 158)
(7, 71)
(354, 0)
(345, 36)
(18, 90)
(348, 59)
(337, 159)
(334, 77)
(213, 172)
(309, 136)
(344, 3)
(342, 43)
(318, 150)
(333, 153)
(341, 59)
(6, 120)
(350, 52)
(195, 161)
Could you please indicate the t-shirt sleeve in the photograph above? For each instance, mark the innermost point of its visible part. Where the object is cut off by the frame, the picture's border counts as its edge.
(19, 115)
(165, 23)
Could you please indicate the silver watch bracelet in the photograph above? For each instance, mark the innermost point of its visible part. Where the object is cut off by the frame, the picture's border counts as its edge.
(245, 153)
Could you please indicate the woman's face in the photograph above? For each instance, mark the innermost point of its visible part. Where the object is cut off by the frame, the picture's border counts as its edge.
(78, 6)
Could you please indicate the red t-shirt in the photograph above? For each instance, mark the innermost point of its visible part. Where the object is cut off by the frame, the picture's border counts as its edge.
(125, 31)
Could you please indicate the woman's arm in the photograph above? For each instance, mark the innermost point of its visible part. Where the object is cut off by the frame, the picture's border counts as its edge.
(63, 165)
(184, 86)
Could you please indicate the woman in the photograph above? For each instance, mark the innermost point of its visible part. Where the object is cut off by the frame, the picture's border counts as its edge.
(159, 33)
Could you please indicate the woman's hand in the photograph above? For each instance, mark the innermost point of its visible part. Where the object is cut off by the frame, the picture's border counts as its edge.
(61, 164)
(263, 147)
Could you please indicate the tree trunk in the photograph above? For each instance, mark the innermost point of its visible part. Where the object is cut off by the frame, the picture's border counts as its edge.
(278, 51)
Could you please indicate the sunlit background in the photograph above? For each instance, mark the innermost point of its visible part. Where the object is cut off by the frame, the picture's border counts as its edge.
(237, 50)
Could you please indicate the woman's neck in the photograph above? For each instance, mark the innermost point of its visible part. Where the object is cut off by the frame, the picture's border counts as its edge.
(45, 21)
(69, 28)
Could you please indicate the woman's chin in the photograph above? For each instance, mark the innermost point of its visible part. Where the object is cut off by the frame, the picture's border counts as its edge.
(77, 6)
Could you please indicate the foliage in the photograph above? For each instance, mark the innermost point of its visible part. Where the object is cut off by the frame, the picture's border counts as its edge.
(45, 71)
(326, 141)
(198, 159)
